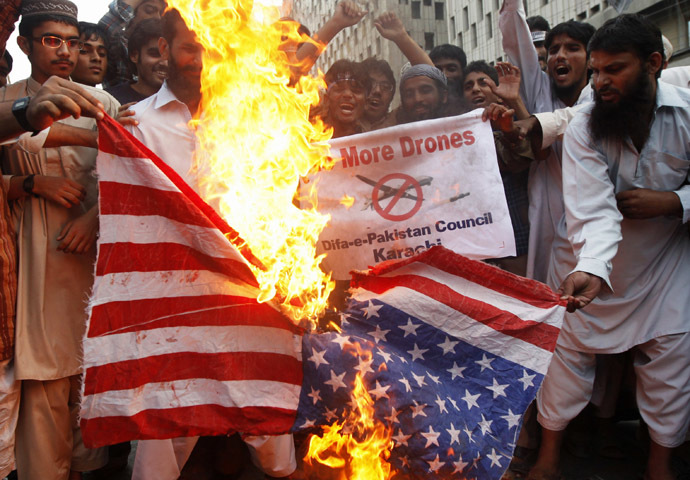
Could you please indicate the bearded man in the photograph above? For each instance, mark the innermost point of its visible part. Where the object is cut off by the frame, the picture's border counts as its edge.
(625, 172)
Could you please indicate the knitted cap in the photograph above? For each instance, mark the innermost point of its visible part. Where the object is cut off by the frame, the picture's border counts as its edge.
(422, 70)
(32, 8)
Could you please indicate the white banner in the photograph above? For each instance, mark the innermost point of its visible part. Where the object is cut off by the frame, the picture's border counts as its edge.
(399, 191)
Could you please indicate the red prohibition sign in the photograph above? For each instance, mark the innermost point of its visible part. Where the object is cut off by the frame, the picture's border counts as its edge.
(408, 182)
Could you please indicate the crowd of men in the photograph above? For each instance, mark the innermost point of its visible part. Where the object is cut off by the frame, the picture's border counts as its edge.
(593, 149)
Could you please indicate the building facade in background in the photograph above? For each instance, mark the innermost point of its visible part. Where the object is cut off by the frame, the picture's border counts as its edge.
(473, 25)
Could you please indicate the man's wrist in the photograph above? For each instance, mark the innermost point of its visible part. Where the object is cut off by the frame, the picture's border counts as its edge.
(20, 108)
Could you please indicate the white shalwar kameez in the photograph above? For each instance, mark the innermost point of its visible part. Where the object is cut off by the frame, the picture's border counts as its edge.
(544, 185)
(646, 264)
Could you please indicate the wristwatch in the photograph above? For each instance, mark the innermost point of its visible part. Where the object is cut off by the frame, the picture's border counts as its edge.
(28, 185)
(19, 108)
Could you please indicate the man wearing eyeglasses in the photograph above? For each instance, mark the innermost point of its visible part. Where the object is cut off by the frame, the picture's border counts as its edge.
(52, 194)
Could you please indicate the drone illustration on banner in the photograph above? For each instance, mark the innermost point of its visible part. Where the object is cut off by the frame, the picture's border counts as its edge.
(388, 192)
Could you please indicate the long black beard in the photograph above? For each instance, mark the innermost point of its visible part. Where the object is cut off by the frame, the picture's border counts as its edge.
(627, 118)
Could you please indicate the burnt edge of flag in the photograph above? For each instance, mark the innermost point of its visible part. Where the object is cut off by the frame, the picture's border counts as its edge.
(109, 129)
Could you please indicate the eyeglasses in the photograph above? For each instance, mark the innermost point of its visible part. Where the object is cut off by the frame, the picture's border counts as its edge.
(51, 41)
(343, 83)
(384, 86)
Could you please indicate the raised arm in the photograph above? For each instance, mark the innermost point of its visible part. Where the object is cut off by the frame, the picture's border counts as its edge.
(391, 28)
(517, 43)
(347, 13)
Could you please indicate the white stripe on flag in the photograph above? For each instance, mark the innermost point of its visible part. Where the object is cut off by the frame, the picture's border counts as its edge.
(151, 229)
(120, 347)
(133, 171)
(461, 326)
(465, 287)
(190, 393)
(130, 286)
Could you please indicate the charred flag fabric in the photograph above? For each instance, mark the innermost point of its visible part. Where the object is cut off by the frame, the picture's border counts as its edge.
(452, 352)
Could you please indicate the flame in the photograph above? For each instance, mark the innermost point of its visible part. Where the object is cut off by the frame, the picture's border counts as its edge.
(256, 141)
(347, 200)
(360, 444)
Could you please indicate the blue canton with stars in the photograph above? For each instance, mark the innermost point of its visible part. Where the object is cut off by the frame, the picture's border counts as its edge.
(455, 410)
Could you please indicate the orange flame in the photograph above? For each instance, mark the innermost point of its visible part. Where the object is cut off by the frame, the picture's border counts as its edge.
(360, 444)
(347, 200)
(256, 141)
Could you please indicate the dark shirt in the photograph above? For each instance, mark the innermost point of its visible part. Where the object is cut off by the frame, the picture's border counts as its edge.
(124, 93)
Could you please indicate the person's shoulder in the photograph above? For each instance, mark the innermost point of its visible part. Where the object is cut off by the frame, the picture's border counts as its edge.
(678, 76)
(13, 90)
(140, 108)
(109, 102)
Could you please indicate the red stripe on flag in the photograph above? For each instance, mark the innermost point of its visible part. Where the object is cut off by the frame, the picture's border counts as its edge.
(154, 257)
(125, 199)
(207, 310)
(539, 334)
(526, 290)
(128, 146)
(199, 420)
(224, 367)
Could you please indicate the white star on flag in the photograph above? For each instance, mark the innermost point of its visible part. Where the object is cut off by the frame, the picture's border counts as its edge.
(471, 400)
(485, 425)
(454, 434)
(448, 346)
(456, 371)
(436, 380)
(378, 334)
(441, 405)
(435, 465)
(331, 414)
(372, 310)
(336, 381)
(410, 328)
(379, 391)
(419, 379)
(341, 340)
(527, 380)
(406, 382)
(499, 390)
(494, 458)
(386, 356)
(512, 419)
(418, 409)
(400, 438)
(308, 423)
(468, 432)
(317, 358)
(393, 417)
(454, 403)
(315, 395)
(485, 363)
(459, 465)
(365, 366)
(417, 353)
(431, 437)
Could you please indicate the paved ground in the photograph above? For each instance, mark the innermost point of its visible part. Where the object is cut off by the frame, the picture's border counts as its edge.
(593, 468)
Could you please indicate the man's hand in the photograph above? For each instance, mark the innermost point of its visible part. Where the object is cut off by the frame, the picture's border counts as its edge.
(79, 236)
(63, 191)
(347, 13)
(508, 88)
(126, 116)
(390, 26)
(641, 203)
(579, 288)
(501, 118)
(57, 99)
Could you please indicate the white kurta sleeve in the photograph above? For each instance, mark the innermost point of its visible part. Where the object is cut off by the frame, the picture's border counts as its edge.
(592, 216)
(684, 195)
(518, 45)
(553, 124)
